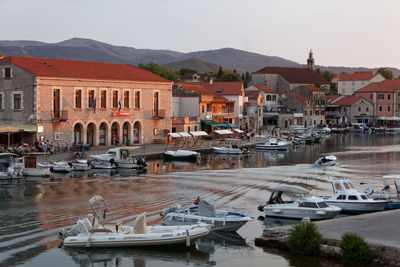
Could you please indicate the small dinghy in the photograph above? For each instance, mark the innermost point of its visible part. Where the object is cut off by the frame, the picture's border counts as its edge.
(81, 165)
(204, 211)
(184, 155)
(94, 231)
(57, 166)
(326, 161)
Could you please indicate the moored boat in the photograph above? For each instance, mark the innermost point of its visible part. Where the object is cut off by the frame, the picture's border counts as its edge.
(274, 144)
(303, 206)
(227, 220)
(184, 155)
(231, 149)
(95, 231)
(118, 157)
(350, 200)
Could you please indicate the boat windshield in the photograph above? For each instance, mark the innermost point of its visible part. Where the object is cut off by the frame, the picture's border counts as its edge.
(111, 153)
(322, 204)
(338, 187)
(351, 185)
(364, 197)
(346, 186)
(308, 205)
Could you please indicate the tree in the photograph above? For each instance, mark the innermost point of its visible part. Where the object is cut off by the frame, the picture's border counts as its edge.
(229, 76)
(219, 73)
(185, 71)
(387, 74)
(161, 71)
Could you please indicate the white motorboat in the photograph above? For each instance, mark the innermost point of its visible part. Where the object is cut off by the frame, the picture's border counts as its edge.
(390, 191)
(94, 231)
(231, 149)
(6, 170)
(57, 166)
(350, 200)
(28, 166)
(81, 165)
(118, 157)
(274, 144)
(221, 220)
(304, 205)
(184, 155)
(326, 161)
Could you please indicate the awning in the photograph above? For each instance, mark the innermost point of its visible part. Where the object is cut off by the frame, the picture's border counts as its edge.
(238, 130)
(271, 115)
(211, 123)
(199, 133)
(227, 125)
(4, 128)
(223, 132)
(385, 118)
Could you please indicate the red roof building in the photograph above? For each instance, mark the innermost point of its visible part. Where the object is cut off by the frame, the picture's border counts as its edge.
(97, 103)
(348, 83)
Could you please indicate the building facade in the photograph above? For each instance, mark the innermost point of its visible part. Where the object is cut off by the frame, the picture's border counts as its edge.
(85, 102)
(349, 83)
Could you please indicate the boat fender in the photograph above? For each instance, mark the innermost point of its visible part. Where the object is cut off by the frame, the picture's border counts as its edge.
(187, 238)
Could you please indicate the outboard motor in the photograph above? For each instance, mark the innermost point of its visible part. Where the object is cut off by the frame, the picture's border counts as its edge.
(141, 162)
(369, 191)
(261, 208)
(112, 161)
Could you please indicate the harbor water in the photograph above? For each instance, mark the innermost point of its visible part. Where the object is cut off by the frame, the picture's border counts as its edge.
(32, 212)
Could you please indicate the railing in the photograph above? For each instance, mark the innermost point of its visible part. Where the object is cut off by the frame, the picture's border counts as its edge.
(158, 114)
(61, 115)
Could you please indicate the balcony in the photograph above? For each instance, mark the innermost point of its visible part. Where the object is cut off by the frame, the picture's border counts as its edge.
(58, 116)
(158, 114)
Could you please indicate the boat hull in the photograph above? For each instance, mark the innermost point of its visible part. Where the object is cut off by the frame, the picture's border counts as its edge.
(155, 237)
(298, 214)
(191, 158)
(276, 147)
(217, 224)
(359, 207)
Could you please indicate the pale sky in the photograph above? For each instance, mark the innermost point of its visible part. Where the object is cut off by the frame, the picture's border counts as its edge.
(353, 33)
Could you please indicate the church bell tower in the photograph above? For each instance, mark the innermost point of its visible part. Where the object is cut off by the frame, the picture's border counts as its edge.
(310, 61)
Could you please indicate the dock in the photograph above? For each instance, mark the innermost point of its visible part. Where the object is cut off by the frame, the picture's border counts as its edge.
(380, 230)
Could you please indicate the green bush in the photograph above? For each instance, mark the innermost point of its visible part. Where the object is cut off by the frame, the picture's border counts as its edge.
(355, 250)
(304, 239)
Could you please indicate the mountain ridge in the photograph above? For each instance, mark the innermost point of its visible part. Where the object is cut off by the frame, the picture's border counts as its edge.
(92, 50)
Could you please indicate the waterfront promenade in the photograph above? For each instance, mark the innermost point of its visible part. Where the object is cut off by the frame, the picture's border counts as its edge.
(150, 151)
(380, 230)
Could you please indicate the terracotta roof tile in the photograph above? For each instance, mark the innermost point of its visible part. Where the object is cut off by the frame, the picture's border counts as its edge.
(199, 88)
(301, 99)
(313, 88)
(252, 94)
(265, 88)
(387, 86)
(43, 67)
(295, 75)
(331, 98)
(348, 101)
(224, 88)
(356, 76)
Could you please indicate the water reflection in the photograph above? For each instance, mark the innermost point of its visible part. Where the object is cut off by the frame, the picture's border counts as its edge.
(34, 210)
(138, 257)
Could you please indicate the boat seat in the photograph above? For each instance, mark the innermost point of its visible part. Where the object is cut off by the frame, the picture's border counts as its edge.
(140, 225)
(101, 230)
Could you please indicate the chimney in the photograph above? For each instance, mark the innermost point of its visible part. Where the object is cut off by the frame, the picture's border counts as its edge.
(211, 81)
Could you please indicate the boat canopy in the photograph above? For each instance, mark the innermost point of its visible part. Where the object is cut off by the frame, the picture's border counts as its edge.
(199, 133)
(223, 132)
(206, 208)
(392, 177)
(290, 189)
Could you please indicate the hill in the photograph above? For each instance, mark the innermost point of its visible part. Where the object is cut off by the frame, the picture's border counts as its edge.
(194, 64)
(202, 61)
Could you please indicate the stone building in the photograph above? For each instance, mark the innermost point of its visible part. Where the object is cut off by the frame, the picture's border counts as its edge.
(284, 79)
(67, 102)
(349, 83)
(254, 108)
(356, 108)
